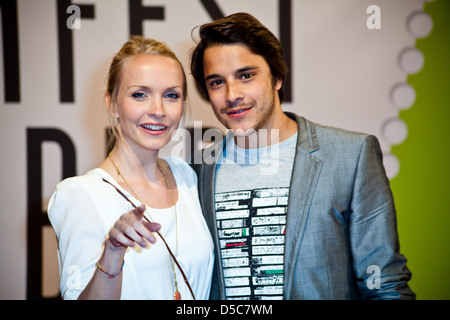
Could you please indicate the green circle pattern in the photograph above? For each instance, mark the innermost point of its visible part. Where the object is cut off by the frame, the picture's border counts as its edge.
(422, 187)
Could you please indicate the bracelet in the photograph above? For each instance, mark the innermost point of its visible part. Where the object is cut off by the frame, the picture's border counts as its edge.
(110, 275)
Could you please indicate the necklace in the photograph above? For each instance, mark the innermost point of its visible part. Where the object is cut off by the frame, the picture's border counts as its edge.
(177, 295)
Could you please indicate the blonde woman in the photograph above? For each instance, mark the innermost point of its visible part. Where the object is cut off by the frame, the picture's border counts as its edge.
(132, 228)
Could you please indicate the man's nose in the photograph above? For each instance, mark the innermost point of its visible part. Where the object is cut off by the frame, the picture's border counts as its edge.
(234, 93)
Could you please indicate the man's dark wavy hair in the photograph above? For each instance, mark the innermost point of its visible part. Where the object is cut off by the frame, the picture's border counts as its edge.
(239, 28)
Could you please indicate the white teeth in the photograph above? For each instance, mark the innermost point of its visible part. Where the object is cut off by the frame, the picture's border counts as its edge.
(153, 127)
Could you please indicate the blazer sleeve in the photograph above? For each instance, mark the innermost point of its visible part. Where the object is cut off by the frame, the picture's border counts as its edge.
(379, 267)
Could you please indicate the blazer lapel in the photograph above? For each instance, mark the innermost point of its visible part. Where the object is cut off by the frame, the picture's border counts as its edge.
(305, 174)
(206, 181)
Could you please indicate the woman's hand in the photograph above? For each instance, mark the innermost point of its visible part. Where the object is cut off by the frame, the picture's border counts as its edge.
(131, 229)
(126, 232)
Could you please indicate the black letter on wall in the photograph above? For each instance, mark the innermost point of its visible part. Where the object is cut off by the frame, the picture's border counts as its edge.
(66, 77)
(36, 218)
(139, 13)
(10, 50)
(285, 23)
(213, 9)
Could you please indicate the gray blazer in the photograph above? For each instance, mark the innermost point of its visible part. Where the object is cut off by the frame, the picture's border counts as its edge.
(341, 230)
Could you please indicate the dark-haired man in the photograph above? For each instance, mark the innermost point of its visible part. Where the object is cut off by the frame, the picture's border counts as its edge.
(297, 210)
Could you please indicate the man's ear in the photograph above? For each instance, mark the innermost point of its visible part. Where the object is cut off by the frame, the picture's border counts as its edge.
(278, 84)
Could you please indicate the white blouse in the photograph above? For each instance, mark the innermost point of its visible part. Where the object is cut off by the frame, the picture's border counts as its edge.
(84, 208)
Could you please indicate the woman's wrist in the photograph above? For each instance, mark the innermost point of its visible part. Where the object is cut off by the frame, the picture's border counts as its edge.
(112, 260)
(110, 275)
(115, 249)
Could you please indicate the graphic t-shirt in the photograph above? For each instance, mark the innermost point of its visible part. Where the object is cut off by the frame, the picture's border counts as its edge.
(252, 189)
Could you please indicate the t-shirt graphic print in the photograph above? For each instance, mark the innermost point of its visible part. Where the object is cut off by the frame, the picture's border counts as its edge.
(251, 227)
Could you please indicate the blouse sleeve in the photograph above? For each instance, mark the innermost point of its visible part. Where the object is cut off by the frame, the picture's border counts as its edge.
(81, 230)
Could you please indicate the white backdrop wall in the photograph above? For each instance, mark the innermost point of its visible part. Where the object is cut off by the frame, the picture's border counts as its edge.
(344, 73)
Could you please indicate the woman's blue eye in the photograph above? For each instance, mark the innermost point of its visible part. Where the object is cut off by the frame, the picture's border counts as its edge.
(172, 95)
(138, 95)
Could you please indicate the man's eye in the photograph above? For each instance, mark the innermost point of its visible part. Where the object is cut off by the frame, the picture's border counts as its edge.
(216, 83)
(246, 76)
